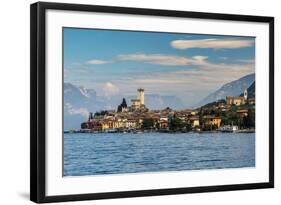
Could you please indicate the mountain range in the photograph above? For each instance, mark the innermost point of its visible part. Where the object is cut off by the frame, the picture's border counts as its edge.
(251, 91)
(234, 88)
(79, 101)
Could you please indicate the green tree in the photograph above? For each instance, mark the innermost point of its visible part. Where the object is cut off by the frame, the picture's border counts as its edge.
(200, 113)
(231, 118)
(249, 120)
(84, 125)
(157, 125)
(210, 127)
(176, 124)
(122, 105)
(148, 123)
(119, 108)
(101, 113)
(188, 127)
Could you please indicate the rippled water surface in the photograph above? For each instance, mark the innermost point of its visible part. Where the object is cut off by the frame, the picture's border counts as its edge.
(96, 154)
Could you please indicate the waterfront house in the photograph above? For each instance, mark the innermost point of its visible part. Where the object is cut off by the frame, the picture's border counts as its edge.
(194, 120)
(106, 124)
(95, 125)
(131, 123)
(212, 120)
(163, 123)
(118, 123)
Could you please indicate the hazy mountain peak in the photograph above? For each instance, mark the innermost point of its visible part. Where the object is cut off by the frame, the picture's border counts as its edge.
(80, 100)
(233, 88)
(84, 91)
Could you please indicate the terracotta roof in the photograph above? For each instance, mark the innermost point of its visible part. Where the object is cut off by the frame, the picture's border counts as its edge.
(210, 117)
(242, 111)
(194, 117)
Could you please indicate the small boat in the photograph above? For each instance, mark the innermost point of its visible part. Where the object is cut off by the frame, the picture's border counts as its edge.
(112, 131)
(228, 128)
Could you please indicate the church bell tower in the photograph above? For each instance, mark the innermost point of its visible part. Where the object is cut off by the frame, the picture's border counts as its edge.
(245, 94)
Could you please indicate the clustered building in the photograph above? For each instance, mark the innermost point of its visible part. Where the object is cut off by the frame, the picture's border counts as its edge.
(138, 104)
(240, 100)
(133, 117)
(134, 120)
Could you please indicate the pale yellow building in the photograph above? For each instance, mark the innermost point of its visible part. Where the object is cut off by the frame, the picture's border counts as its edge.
(240, 100)
(212, 120)
(193, 112)
(136, 104)
(231, 100)
(107, 124)
(194, 120)
(104, 125)
(118, 123)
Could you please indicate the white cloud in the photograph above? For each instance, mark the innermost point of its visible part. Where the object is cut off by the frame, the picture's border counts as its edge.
(201, 80)
(110, 89)
(160, 59)
(76, 111)
(212, 43)
(97, 62)
(247, 61)
(223, 58)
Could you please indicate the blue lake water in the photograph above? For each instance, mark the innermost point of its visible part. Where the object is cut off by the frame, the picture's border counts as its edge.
(98, 154)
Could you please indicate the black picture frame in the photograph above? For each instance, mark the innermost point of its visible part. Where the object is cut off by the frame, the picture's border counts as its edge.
(38, 101)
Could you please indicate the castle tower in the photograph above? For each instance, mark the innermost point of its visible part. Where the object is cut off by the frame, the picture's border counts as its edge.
(141, 95)
(245, 94)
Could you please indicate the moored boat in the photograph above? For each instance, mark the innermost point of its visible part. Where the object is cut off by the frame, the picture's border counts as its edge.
(228, 128)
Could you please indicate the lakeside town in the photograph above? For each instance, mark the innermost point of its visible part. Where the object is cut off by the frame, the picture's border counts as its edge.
(232, 114)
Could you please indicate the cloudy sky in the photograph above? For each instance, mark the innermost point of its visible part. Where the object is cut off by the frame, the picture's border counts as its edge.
(188, 66)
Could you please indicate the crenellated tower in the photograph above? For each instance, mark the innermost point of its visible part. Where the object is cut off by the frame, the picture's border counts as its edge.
(141, 95)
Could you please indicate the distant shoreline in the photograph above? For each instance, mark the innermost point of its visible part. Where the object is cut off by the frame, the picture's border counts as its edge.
(153, 131)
